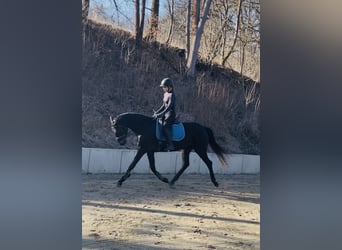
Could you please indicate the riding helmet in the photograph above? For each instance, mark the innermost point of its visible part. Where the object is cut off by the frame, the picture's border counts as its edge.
(166, 82)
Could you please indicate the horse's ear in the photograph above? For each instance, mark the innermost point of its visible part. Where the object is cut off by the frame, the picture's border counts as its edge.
(112, 121)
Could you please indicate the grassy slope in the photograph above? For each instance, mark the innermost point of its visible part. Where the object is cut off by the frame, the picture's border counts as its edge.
(117, 78)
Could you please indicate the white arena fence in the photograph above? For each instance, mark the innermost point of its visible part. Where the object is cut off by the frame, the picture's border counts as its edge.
(100, 160)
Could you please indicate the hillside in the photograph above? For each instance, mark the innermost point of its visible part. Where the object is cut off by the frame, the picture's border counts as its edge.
(118, 78)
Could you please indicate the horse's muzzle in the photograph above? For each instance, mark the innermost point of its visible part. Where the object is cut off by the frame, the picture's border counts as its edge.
(122, 141)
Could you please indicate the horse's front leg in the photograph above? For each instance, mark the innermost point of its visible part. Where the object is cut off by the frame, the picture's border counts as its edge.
(151, 160)
(137, 157)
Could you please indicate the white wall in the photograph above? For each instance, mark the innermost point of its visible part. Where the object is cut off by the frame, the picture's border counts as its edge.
(97, 160)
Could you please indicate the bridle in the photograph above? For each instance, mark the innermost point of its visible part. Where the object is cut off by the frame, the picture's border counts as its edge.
(121, 137)
(117, 129)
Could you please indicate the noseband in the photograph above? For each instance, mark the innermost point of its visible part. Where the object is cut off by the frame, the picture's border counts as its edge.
(119, 138)
(116, 128)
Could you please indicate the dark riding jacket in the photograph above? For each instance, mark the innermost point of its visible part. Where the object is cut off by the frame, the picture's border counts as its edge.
(168, 109)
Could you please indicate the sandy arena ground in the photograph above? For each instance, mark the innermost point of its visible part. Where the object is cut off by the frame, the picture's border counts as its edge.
(146, 214)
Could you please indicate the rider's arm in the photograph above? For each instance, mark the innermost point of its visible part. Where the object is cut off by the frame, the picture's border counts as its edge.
(160, 109)
(170, 105)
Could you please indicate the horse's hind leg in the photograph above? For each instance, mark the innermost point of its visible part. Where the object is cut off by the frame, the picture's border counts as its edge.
(137, 157)
(185, 156)
(150, 156)
(204, 156)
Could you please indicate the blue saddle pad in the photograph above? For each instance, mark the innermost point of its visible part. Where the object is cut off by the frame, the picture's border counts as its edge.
(178, 132)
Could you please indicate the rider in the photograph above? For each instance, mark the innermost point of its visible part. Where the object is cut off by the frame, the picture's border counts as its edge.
(167, 111)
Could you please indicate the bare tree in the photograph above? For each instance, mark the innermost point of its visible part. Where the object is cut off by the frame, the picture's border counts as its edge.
(142, 21)
(195, 44)
(85, 10)
(188, 20)
(171, 8)
(216, 31)
(225, 57)
(139, 22)
(116, 5)
(195, 14)
(154, 19)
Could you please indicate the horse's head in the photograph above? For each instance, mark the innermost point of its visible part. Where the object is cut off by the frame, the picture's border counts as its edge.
(119, 131)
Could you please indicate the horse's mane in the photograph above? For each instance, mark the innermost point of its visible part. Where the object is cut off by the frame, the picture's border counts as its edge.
(131, 114)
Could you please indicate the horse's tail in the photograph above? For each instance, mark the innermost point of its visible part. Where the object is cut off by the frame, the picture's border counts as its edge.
(219, 151)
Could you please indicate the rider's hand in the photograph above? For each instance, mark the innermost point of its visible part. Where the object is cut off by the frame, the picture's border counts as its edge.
(155, 116)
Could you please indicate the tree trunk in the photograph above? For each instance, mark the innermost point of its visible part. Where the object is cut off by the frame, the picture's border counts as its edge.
(197, 40)
(196, 4)
(235, 35)
(85, 10)
(142, 21)
(172, 13)
(188, 20)
(242, 62)
(137, 21)
(154, 20)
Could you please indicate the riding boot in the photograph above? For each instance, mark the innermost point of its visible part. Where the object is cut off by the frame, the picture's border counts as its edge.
(168, 135)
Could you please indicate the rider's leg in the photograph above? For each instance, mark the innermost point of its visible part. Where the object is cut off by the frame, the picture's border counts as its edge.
(168, 134)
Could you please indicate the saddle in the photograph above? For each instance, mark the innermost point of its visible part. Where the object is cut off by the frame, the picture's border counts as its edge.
(178, 132)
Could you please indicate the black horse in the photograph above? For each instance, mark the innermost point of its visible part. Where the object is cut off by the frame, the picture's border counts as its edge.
(197, 138)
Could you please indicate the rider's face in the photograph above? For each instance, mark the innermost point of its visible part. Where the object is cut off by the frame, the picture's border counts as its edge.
(165, 88)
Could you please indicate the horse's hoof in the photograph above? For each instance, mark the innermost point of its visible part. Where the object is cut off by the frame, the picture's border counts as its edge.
(119, 184)
(171, 185)
(216, 184)
(165, 180)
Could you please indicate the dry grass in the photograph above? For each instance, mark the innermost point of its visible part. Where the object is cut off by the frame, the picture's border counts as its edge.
(117, 78)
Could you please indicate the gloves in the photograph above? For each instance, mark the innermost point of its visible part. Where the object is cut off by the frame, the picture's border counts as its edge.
(155, 115)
